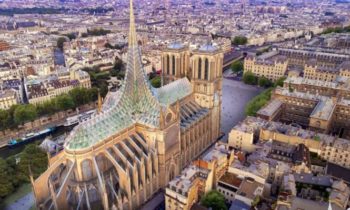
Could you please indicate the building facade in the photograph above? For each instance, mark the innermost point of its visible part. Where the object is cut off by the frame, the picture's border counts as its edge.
(316, 65)
(142, 139)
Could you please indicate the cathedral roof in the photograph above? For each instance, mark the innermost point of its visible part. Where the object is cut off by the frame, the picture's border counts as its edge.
(176, 46)
(208, 48)
(170, 93)
(135, 102)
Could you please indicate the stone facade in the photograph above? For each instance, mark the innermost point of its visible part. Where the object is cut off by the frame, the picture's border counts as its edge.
(140, 140)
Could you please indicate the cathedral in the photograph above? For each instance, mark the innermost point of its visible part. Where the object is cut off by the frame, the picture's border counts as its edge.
(142, 137)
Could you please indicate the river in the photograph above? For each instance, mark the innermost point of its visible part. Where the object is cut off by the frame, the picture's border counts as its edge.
(59, 57)
(6, 152)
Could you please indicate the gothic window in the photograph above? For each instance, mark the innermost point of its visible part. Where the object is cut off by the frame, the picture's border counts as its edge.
(167, 64)
(206, 69)
(200, 68)
(173, 62)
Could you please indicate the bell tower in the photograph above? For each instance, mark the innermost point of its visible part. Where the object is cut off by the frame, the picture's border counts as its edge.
(207, 63)
(175, 62)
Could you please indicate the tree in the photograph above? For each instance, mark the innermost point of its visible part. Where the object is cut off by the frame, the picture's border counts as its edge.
(47, 107)
(60, 42)
(71, 36)
(35, 158)
(64, 102)
(11, 112)
(249, 78)
(156, 82)
(25, 113)
(214, 200)
(80, 96)
(239, 40)
(93, 94)
(258, 102)
(4, 119)
(6, 186)
(237, 66)
(290, 88)
(264, 82)
(118, 69)
(256, 201)
(152, 74)
(280, 82)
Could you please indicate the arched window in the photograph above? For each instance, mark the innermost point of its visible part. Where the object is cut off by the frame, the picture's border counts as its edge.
(183, 65)
(173, 65)
(200, 68)
(206, 69)
(167, 64)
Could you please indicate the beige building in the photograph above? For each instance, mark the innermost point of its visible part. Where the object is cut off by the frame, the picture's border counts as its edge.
(292, 197)
(330, 148)
(137, 144)
(198, 179)
(8, 98)
(184, 191)
(272, 69)
(314, 65)
(44, 91)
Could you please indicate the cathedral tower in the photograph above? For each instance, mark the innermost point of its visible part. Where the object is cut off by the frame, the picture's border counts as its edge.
(207, 62)
(175, 63)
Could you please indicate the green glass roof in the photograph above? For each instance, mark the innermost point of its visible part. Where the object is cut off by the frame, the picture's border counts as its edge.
(136, 102)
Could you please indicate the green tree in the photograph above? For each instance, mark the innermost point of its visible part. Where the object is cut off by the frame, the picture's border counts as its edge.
(237, 66)
(156, 82)
(11, 112)
(93, 94)
(71, 36)
(25, 113)
(6, 186)
(118, 69)
(239, 40)
(152, 74)
(4, 119)
(290, 88)
(60, 42)
(280, 82)
(64, 102)
(214, 200)
(249, 78)
(47, 108)
(258, 102)
(80, 96)
(264, 82)
(35, 158)
(256, 201)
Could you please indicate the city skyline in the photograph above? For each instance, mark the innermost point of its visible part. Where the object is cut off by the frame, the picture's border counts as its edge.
(229, 104)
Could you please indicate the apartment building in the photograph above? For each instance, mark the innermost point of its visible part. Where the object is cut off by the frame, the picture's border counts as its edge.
(272, 69)
(198, 178)
(8, 98)
(312, 64)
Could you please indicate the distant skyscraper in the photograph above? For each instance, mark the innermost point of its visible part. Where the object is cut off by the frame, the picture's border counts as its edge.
(139, 141)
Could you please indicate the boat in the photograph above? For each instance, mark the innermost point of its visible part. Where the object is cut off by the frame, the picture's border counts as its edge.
(29, 137)
(79, 118)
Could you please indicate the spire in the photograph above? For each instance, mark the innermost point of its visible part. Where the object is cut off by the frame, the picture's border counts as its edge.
(132, 30)
(136, 91)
